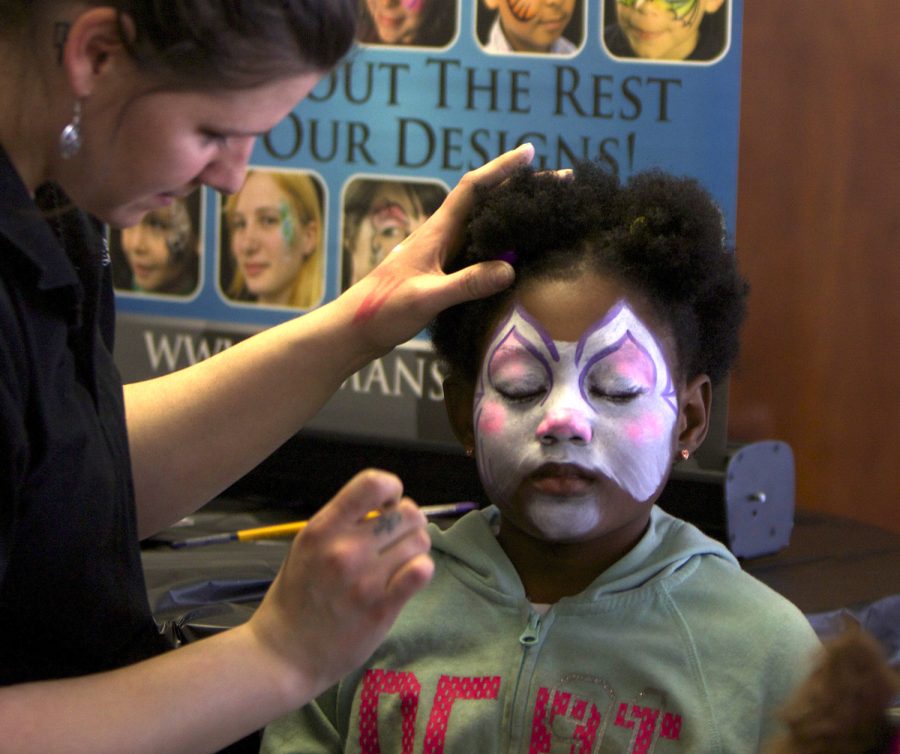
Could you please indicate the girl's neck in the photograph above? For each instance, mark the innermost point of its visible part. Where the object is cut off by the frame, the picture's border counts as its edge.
(550, 571)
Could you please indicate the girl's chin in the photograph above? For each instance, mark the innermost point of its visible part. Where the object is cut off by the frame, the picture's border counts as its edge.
(563, 519)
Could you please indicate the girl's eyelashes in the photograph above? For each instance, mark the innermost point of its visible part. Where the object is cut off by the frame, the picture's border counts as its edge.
(522, 395)
(520, 388)
(615, 394)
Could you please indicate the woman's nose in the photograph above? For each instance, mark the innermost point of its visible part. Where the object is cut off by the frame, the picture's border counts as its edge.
(565, 425)
(227, 171)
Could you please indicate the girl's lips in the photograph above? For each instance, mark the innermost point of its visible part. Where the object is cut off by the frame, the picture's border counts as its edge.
(644, 35)
(563, 479)
(252, 270)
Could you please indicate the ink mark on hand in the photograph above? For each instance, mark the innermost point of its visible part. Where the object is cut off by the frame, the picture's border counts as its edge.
(386, 523)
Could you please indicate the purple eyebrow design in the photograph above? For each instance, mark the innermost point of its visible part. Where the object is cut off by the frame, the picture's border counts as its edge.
(669, 396)
(600, 324)
(545, 336)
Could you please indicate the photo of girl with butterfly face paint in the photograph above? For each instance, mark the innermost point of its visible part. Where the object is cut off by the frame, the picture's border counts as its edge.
(548, 27)
(413, 23)
(675, 30)
(160, 255)
(379, 214)
(273, 251)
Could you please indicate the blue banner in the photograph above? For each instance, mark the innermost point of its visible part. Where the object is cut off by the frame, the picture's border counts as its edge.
(375, 147)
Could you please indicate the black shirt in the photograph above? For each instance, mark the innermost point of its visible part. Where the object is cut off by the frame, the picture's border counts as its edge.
(72, 595)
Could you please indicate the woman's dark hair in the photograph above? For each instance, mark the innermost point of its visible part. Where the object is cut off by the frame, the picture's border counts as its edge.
(438, 24)
(233, 44)
(660, 236)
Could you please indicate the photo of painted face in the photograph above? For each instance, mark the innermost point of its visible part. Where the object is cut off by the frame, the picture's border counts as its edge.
(273, 251)
(161, 254)
(548, 27)
(379, 214)
(412, 23)
(673, 30)
(575, 410)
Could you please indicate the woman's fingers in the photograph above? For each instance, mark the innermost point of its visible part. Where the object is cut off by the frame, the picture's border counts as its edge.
(448, 222)
(346, 577)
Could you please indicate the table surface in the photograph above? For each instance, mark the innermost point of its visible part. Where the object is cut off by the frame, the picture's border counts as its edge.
(830, 563)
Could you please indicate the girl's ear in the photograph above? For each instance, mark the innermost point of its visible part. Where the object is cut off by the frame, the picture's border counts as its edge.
(693, 417)
(309, 237)
(93, 46)
(459, 396)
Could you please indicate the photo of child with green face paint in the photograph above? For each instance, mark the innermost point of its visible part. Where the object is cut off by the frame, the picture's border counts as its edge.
(571, 613)
(160, 255)
(273, 251)
(669, 30)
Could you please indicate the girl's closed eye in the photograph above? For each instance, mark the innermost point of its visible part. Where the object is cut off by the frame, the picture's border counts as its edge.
(519, 383)
(517, 376)
(615, 394)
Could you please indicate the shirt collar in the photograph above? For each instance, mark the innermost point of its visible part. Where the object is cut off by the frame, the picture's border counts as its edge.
(25, 225)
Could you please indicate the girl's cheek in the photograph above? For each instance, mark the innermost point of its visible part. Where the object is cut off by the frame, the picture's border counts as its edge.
(492, 420)
(645, 428)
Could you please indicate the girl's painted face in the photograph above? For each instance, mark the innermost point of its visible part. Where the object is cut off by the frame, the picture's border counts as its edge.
(663, 29)
(156, 248)
(574, 411)
(397, 21)
(269, 241)
(533, 25)
(394, 213)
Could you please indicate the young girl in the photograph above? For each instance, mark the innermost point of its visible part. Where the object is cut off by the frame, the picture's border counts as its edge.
(572, 614)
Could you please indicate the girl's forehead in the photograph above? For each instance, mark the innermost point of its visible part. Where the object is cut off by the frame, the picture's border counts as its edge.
(568, 311)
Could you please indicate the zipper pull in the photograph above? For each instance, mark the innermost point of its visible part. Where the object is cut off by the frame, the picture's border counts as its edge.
(532, 631)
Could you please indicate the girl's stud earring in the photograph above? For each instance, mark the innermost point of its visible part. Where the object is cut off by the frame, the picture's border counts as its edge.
(470, 452)
(685, 454)
(70, 138)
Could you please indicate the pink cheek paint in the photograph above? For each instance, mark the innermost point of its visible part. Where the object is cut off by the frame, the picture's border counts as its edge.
(413, 6)
(492, 420)
(647, 428)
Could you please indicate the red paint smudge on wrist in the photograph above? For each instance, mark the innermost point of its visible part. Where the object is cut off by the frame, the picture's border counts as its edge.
(375, 299)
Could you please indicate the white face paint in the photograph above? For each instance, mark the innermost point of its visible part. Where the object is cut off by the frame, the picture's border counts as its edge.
(560, 418)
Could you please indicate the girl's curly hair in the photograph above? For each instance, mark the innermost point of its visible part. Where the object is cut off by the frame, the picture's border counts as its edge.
(661, 236)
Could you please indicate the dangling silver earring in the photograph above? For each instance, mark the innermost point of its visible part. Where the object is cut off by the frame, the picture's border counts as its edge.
(70, 138)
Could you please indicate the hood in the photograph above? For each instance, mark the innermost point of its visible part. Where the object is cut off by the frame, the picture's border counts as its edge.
(470, 549)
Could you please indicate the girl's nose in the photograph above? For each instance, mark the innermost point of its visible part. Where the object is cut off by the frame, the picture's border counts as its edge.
(564, 425)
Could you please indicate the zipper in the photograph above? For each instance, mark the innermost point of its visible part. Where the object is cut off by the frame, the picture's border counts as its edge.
(532, 633)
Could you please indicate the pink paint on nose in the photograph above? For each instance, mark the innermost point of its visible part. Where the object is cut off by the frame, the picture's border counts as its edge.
(492, 419)
(565, 424)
